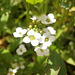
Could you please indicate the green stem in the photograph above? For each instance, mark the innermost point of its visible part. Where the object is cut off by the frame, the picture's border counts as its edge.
(27, 15)
(41, 6)
(58, 24)
(46, 5)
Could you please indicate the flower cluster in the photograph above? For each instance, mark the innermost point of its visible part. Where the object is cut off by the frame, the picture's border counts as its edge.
(40, 41)
(45, 19)
(17, 66)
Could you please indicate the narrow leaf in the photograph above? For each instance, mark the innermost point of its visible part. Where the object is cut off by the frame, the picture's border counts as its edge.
(34, 1)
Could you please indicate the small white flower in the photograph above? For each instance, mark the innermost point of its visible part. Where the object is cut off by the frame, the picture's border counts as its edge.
(12, 71)
(32, 37)
(47, 39)
(41, 52)
(41, 18)
(21, 49)
(49, 19)
(19, 65)
(49, 29)
(19, 32)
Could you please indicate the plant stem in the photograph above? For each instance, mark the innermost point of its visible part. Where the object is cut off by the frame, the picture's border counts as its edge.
(46, 5)
(27, 15)
(41, 6)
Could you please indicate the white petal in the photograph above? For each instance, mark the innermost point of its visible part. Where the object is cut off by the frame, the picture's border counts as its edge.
(37, 35)
(47, 34)
(15, 34)
(54, 20)
(37, 48)
(26, 39)
(21, 46)
(35, 42)
(31, 32)
(46, 52)
(41, 39)
(24, 50)
(42, 18)
(45, 29)
(22, 67)
(51, 16)
(52, 38)
(44, 22)
(18, 29)
(43, 46)
(10, 69)
(52, 31)
(14, 70)
(34, 18)
(16, 67)
(24, 31)
(47, 43)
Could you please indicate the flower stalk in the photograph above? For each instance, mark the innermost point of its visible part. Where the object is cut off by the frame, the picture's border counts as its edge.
(27, 15)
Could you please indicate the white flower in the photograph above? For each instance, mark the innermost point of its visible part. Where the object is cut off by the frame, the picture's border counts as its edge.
(12, 71)
(49, 29)
(21, 49)
(33, 18)
(41, 52)
(49, 19)
(41, 18)
(47, 39)
(19, 32)
(32, 37)
(19, 65)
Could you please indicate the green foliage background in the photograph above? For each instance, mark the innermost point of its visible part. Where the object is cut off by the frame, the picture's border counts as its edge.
(13, 14)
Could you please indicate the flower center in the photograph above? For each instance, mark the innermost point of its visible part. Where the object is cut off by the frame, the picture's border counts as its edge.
(46, 39)
(19, 65)
(31, 37)
(20, 33)
(11, 73)
(48, 20)
(41, 50)
(20, 50)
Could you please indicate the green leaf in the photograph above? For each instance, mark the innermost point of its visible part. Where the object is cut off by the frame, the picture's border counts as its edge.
(55, 64)
(34, 1)
(6, 55)
(14, 45)
(5, 17)
(53, 71)
(1, 26)
(66, 55)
